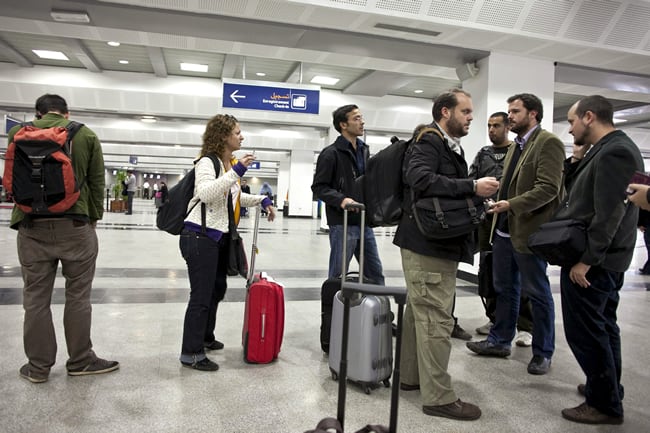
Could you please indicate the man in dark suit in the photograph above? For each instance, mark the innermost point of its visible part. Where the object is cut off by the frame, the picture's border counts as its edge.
(528, 196)
(596, 183)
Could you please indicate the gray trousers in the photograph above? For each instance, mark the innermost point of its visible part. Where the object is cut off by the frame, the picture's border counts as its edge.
(41, 246)
(426, 343)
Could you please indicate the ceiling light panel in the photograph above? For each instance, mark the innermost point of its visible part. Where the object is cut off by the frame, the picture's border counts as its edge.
(51, 55)
(174, 57)
(25, 43)
(109, 57)
(346, 75)
(194, 67)
(70, 16)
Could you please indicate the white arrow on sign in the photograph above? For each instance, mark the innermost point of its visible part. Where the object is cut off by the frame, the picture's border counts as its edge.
(234, 96)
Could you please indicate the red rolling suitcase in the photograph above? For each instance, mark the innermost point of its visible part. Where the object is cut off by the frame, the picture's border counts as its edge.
(263, 313)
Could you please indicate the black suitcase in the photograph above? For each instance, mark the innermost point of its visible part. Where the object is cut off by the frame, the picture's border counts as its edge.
(350, 289)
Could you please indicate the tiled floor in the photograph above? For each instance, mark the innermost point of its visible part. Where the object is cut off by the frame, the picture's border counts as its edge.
(139, 300)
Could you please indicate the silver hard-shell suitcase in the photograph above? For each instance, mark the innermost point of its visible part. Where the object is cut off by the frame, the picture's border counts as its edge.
(370, 348)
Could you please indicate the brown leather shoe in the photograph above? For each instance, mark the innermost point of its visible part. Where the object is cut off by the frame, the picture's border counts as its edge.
(407, 387)
(458, 410)
(586, 414)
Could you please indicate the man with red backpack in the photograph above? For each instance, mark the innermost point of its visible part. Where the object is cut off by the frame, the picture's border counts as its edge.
(56, 233)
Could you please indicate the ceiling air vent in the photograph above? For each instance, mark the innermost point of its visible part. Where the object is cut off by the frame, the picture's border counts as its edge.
(383, 26)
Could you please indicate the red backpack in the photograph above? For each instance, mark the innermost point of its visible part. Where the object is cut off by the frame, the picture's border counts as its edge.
(39, 176)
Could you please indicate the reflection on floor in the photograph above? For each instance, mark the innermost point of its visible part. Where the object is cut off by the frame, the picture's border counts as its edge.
(139, 300)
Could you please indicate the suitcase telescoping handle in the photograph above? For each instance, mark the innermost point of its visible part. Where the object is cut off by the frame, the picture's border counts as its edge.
(251, 267)
(348, 290)
(358, 207)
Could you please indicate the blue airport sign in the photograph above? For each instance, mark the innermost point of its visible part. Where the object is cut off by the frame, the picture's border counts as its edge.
(271, 97)
(255, 165)
(10, 122)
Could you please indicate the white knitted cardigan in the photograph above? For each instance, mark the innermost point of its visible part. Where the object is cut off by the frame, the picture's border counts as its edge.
(213, 191)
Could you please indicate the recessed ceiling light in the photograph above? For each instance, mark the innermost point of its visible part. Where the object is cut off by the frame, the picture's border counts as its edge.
(321, 79)
(418, 91)
(53, 55)
(194, 67)
(113, 43)
(124, 62)
(260, 74)
(148, 119)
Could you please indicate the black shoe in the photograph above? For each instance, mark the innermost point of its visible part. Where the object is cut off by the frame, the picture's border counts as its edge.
(460, 333)
(203, 365)
(407, 387)
(485, 348)
(539, 365)
(98, 366)
(214, 345)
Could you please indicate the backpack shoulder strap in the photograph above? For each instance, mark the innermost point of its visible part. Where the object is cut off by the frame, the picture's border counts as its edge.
(427, 130)
(73, 127)
(217, 170)
(215, 161)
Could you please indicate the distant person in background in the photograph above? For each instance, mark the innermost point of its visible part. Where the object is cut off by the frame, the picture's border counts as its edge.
(164, 192)
(267, 191)
(246, 190)
(145, 190)
(130, 191)
(155, 190)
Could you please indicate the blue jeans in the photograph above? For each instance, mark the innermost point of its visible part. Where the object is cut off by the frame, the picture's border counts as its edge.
(593, 335)
(207, 263)
(372, 264)
(512, 270)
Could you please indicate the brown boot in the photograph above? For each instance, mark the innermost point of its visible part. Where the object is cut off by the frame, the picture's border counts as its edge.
(586, 414)
(458, 410)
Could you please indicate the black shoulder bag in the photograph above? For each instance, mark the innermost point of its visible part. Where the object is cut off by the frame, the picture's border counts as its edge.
(440, 218)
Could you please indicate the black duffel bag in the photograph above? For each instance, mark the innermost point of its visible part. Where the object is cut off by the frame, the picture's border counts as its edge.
(446, 217)
(560, 242)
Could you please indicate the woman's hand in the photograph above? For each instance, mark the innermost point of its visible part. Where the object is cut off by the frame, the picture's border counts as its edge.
(247, 160)
(271, 212)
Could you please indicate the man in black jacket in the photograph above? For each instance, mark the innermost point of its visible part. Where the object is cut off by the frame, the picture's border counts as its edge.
(436, 167)
(596, 184)
(337, 167)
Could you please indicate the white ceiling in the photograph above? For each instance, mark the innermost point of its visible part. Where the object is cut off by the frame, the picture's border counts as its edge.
(375, 47)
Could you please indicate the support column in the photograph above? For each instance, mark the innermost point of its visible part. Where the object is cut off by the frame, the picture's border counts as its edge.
(282, 189)
(301, 173)
(501, 76)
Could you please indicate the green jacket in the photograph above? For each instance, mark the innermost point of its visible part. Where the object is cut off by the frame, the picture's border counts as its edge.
(88, 163)
(535, 190)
